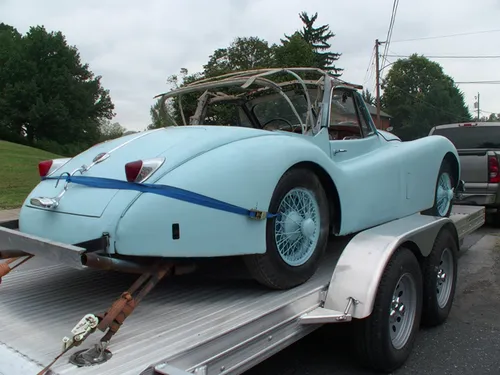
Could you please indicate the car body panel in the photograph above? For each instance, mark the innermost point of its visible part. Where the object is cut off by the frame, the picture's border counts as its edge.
(378, 178)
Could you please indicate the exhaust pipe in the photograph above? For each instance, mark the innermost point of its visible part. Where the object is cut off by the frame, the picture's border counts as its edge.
(106, 263)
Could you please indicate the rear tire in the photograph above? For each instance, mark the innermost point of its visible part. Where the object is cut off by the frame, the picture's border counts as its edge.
(443, 195)
(440, 279)
(385, 339)
(297, 239)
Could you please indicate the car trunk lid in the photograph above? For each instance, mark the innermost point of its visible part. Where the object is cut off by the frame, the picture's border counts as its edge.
(176, 144)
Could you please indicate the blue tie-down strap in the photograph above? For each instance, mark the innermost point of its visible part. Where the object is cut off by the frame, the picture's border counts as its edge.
(166, 191)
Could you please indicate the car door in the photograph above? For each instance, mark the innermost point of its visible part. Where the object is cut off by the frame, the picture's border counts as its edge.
(370, 164)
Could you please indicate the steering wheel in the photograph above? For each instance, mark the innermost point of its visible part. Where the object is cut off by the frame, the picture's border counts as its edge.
(278, 119)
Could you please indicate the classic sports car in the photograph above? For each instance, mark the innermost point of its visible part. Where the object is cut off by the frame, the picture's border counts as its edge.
(268, 165)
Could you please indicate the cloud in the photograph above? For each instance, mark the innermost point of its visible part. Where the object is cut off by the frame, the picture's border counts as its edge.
(136, 45)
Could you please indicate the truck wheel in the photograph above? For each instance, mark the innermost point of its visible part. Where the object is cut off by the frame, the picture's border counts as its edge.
(385, 339)
(297, 238)
(444, 194)
(440, 278)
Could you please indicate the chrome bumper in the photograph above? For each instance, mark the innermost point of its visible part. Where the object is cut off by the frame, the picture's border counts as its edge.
(11, 240)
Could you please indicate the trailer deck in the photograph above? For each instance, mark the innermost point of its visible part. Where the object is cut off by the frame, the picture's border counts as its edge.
(184, 322)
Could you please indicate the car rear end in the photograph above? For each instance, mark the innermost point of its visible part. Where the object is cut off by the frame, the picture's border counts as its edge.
(478, 146)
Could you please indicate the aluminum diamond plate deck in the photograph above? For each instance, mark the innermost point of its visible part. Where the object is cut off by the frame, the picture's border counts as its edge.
(39, 307)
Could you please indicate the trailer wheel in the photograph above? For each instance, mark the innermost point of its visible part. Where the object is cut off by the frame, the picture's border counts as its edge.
(297, 239)
(440, 278)
(443, 196)
(385, 339)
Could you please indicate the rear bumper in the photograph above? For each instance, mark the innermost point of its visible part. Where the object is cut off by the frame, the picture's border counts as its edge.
(476, 199)
(475, 194)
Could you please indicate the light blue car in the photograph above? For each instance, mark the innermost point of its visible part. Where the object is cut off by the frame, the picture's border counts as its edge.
(266, 166)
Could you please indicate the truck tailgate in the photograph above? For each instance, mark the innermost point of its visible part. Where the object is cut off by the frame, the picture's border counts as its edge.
(474, 165)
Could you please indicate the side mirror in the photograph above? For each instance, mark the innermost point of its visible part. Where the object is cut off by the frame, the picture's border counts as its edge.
(389, 129)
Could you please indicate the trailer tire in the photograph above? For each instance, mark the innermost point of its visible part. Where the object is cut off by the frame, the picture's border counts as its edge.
(440, 278)
(400, 288)
(273, 268)
(445, 176)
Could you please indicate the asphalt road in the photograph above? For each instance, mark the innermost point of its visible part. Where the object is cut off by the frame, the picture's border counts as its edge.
(467, 343)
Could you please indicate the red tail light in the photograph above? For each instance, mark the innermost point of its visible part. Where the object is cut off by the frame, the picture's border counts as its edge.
(141, 170)
(493, 169)
(47, 167)
(44, 167)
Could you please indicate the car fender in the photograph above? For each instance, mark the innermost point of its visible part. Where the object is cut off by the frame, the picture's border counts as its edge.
(423, 158)
(243, 173)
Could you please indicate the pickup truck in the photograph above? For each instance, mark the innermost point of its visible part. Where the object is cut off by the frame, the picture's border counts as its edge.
(478, 146)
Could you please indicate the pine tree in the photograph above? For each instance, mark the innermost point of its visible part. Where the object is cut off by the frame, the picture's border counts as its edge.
(318, 38)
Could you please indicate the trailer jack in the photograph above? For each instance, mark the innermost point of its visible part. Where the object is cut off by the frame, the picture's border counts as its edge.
(111, 320)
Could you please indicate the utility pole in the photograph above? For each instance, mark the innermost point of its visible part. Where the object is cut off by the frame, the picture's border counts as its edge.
(478, 118)
(377, 78)
(476, 105)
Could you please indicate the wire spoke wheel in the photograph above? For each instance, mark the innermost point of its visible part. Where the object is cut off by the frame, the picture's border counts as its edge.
(402, 310)
(297, 229)
(444, 194)
(297, 237)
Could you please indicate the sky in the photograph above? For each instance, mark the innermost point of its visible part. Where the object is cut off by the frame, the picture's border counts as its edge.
(136, 45)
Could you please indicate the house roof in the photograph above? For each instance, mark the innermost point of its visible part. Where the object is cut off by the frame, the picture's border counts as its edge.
(373, 111)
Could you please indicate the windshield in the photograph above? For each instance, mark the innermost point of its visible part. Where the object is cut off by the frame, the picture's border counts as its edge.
(470, 137)
(276, 107)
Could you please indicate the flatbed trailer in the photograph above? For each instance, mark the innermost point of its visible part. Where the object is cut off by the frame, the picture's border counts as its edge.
(197, 325)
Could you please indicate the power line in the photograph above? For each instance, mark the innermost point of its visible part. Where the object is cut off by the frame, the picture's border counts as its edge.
(391, 28)
(454, 56)
(478, 82)
(447, 36)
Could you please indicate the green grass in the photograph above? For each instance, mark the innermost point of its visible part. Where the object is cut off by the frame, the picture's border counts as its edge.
(19, 172)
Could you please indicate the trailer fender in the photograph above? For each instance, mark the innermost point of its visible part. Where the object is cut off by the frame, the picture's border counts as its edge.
(361, 265)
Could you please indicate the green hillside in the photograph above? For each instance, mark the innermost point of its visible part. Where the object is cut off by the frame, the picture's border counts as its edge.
(18, 172)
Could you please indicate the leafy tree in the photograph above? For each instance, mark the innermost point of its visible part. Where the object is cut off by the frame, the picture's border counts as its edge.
(160, 115)
(46, 92)
(110, 130)
(242, 54)
(318, 38)
(419, 95)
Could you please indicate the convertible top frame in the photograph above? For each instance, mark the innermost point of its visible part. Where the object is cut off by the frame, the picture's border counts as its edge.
(245, 79)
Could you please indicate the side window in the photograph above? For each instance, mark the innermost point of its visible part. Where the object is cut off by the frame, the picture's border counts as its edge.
(346, 120)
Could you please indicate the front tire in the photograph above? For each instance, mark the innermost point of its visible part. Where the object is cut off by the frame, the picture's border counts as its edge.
(297, 239)
(385, 339)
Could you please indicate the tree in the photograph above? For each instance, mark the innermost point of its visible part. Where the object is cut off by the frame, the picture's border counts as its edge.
(110, 130)
(46, 92)
(242, 54)
(294, 51)
(318, 38)
(368, 97)
(419, 95)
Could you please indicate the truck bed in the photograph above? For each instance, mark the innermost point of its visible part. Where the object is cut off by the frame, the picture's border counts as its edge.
(183, 321)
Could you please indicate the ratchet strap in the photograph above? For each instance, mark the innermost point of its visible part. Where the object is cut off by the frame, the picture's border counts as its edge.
(166, 191)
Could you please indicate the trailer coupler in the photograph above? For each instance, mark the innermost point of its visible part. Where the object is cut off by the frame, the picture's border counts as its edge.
(111, 320)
